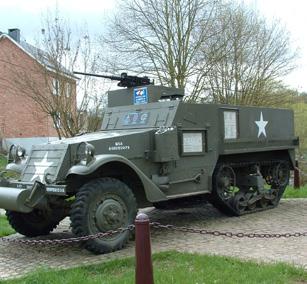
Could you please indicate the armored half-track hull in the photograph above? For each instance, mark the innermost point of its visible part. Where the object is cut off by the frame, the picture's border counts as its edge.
(156, 150)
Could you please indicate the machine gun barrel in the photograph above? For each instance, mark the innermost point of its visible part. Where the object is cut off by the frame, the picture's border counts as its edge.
(115, 78)
(124, 79)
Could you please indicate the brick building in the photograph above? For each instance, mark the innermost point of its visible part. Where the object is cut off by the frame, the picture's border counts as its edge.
(20, 116)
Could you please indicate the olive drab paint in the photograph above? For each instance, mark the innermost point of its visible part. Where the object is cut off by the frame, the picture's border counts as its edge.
(167, 150)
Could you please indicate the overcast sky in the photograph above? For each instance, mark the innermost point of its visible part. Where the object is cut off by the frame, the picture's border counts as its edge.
(27, 14)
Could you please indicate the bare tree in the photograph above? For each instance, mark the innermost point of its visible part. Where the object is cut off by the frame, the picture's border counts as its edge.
(252, 58)
(219, 51)
(52, 85)
(162, 38)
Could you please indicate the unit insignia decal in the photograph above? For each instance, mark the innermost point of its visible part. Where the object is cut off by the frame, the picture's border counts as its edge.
(261, 125)
(140, 96)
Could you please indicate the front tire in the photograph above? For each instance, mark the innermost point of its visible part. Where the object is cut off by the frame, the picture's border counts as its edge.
(102, 205)
(36, 223)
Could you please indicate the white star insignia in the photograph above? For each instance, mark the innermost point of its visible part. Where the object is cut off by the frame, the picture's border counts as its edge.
(261, 125)
(40, 168)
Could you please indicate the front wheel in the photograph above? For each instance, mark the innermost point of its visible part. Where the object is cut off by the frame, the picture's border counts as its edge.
(36, 223)
(102, 205)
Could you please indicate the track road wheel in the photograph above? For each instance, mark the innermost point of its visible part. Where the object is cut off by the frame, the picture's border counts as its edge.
(240, 203)
(263, 203)
(102, 205)
(36, 223)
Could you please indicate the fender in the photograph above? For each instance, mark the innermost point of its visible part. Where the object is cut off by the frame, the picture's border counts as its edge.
(152, 191)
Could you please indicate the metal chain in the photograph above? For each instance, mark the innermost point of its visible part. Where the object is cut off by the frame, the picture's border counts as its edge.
(69, 240)
(229, 234)
(155, 225)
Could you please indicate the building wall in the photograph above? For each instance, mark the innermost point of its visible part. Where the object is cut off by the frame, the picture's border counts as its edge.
(20, 116)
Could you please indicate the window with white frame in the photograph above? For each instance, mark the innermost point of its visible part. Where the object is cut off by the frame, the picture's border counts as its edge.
(231, 124)
(55, 87)
(57, 120)
(68, 90)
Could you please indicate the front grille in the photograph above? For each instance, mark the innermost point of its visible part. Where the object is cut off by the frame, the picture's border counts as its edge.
(42, 160)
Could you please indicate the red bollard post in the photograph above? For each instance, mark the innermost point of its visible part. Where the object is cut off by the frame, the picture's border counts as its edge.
(297, 182)
(143, 266)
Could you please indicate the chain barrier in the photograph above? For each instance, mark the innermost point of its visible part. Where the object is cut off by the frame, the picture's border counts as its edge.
(69, 240)
(155, 225)
(228, 234)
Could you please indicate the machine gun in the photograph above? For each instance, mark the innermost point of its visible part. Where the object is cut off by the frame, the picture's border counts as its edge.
(125, 80)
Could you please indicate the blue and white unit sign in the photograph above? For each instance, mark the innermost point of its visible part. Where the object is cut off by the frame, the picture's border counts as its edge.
(140, 96)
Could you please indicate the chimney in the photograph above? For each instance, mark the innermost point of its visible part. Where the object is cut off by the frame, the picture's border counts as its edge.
(15, 34)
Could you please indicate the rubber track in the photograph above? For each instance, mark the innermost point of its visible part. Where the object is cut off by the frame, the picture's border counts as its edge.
(226, 208)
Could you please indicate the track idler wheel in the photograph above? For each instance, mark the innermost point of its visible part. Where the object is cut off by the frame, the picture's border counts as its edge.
(281, 176)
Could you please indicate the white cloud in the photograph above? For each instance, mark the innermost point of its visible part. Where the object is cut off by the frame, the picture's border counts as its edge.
(86, 6)
(292, 14)
(39, 6)
(29, 6)
(27, 15)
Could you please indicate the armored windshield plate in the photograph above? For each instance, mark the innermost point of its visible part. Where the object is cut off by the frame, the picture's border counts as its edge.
(136, 118)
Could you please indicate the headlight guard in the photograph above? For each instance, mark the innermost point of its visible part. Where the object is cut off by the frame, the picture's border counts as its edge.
(85, 152)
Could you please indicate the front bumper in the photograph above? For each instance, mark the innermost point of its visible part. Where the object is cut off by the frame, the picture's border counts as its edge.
(24, 197)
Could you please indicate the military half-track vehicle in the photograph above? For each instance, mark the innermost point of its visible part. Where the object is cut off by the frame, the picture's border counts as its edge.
(153, 149)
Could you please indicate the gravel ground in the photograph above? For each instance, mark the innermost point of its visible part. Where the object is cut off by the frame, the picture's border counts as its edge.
(289, 216)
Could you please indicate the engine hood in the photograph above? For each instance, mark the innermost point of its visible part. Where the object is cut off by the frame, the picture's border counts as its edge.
(57, 157)
(101, 135)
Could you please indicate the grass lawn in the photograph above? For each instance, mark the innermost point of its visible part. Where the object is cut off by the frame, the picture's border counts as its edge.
(5, 228)
(2, 162)
(291, 192)
(173, 267)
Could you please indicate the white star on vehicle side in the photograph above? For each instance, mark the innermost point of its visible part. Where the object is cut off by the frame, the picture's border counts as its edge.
(38, 168)
(261, 125)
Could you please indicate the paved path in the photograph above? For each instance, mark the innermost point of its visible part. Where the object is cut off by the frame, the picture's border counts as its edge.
(290, 216)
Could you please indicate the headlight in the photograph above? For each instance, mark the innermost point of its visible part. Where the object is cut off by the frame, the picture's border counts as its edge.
(89, 150)
(20, 152)
(16, 153)
(85, 152)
